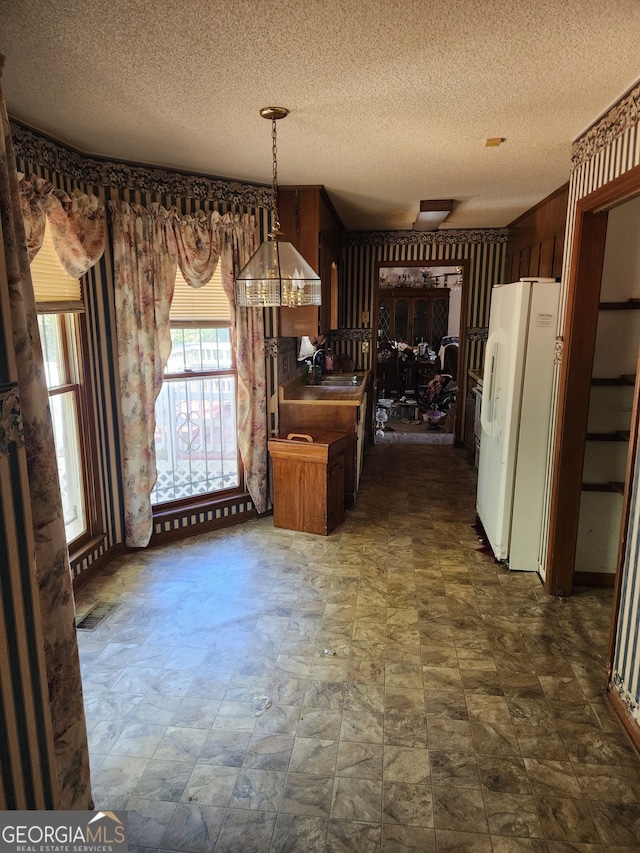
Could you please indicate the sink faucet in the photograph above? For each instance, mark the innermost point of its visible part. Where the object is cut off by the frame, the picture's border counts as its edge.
(318, 368)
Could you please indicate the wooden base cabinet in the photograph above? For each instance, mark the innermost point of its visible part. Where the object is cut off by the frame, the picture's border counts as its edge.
(309, 478)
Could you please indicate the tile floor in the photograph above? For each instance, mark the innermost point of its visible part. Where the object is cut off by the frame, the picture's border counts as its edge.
(422, 697)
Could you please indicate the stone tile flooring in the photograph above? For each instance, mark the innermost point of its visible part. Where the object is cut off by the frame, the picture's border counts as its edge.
(423, 698)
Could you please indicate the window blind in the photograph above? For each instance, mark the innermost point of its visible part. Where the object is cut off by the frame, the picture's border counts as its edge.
(200, 303)
(50, 281)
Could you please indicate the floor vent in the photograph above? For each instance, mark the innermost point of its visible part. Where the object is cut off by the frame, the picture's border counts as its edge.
(96, 616)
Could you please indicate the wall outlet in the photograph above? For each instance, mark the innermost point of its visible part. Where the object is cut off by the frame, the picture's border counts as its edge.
(365, 346)
(365, 316)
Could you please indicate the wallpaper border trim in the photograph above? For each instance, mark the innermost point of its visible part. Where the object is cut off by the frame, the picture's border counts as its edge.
(622, 116)
(98, 171)
(447, 237)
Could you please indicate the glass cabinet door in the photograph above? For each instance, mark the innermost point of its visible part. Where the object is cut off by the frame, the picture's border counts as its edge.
(439, 320)
(401, 324)
(420, 321)
(385, 320)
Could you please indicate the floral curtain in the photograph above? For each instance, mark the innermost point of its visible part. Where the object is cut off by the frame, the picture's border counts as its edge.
(145, 270)
(77, 224)
(198, 241)
(148, 244)
(45, 536)
(247, 337)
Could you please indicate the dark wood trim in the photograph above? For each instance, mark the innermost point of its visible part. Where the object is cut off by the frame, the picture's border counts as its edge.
(614, 193)
(622, 713)
(98, 565)
(613, 381)
(629, 305)
(601, 580)
(585, 277)
(178, 533)
(602, 487)
(200, 503)
(634, 437)
(619, 435)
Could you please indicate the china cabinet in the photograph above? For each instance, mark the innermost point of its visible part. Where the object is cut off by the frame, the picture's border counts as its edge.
(413, 315)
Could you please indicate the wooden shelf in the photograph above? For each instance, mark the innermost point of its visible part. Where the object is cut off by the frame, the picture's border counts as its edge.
(629, 305)
(614, 381)
(613, 487)
(619, 435)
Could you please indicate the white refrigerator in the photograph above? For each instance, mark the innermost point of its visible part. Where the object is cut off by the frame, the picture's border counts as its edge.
(515, 416)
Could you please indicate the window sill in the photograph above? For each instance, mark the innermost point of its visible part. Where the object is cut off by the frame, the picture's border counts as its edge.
(79, 551)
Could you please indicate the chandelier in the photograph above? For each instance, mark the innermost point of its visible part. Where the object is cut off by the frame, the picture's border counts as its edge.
(277, 274)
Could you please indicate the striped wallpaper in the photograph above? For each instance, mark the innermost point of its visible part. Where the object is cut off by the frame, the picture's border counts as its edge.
(483, 251)
(608, 149)
(27, 762)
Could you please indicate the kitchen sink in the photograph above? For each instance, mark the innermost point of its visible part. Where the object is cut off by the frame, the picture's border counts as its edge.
(341, 379)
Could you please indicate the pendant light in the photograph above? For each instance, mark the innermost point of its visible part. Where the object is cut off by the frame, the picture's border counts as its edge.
(277, 274)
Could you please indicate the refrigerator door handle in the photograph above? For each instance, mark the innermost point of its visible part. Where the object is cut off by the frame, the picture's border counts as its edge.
(489, 384)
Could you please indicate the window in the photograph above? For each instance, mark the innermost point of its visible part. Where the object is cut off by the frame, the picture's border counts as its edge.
(196, 436)
(60, 319)
(59, 335)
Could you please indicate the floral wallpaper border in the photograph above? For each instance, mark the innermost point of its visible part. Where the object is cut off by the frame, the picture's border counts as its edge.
(622, 116)
(449, 236)
(351, 335)
(11, 426)
(86, 169)
(273, 347)
(477, 333)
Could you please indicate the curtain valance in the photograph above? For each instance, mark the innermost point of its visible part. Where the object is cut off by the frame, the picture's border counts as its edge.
(77, 224)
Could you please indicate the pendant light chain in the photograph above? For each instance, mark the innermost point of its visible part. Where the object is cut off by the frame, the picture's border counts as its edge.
(274, 183)
(276, 275)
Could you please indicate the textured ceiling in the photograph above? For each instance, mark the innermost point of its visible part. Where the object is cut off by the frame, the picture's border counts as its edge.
(390, 102)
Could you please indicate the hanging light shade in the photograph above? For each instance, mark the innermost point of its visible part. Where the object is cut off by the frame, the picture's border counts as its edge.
(277, 274)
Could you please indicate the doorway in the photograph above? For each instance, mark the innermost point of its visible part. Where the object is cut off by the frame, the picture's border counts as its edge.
(420, 311)
(588, 374)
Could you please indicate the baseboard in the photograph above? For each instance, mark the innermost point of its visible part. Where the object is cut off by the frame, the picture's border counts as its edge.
(177, 533)
(603, 580)
(98, 565)
(622, 713)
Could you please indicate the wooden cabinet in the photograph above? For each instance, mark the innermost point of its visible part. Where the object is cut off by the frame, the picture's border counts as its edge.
(346, 410)
(412, 315)
(309, 221)
(309, 475)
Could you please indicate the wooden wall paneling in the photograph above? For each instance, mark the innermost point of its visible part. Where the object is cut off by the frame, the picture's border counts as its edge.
(558, 255)
(547, 249)
(534, 259)
(533, 246)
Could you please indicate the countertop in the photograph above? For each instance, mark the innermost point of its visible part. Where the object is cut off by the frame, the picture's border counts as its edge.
(295, 391)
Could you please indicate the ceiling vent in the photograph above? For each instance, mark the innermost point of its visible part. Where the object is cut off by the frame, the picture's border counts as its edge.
(433, 213)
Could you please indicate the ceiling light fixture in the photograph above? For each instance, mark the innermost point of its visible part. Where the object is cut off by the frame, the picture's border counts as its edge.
(433, 213)
(277, 274)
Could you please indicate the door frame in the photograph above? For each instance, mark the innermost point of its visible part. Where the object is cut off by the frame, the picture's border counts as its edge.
(461, 378)
(581, 320)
